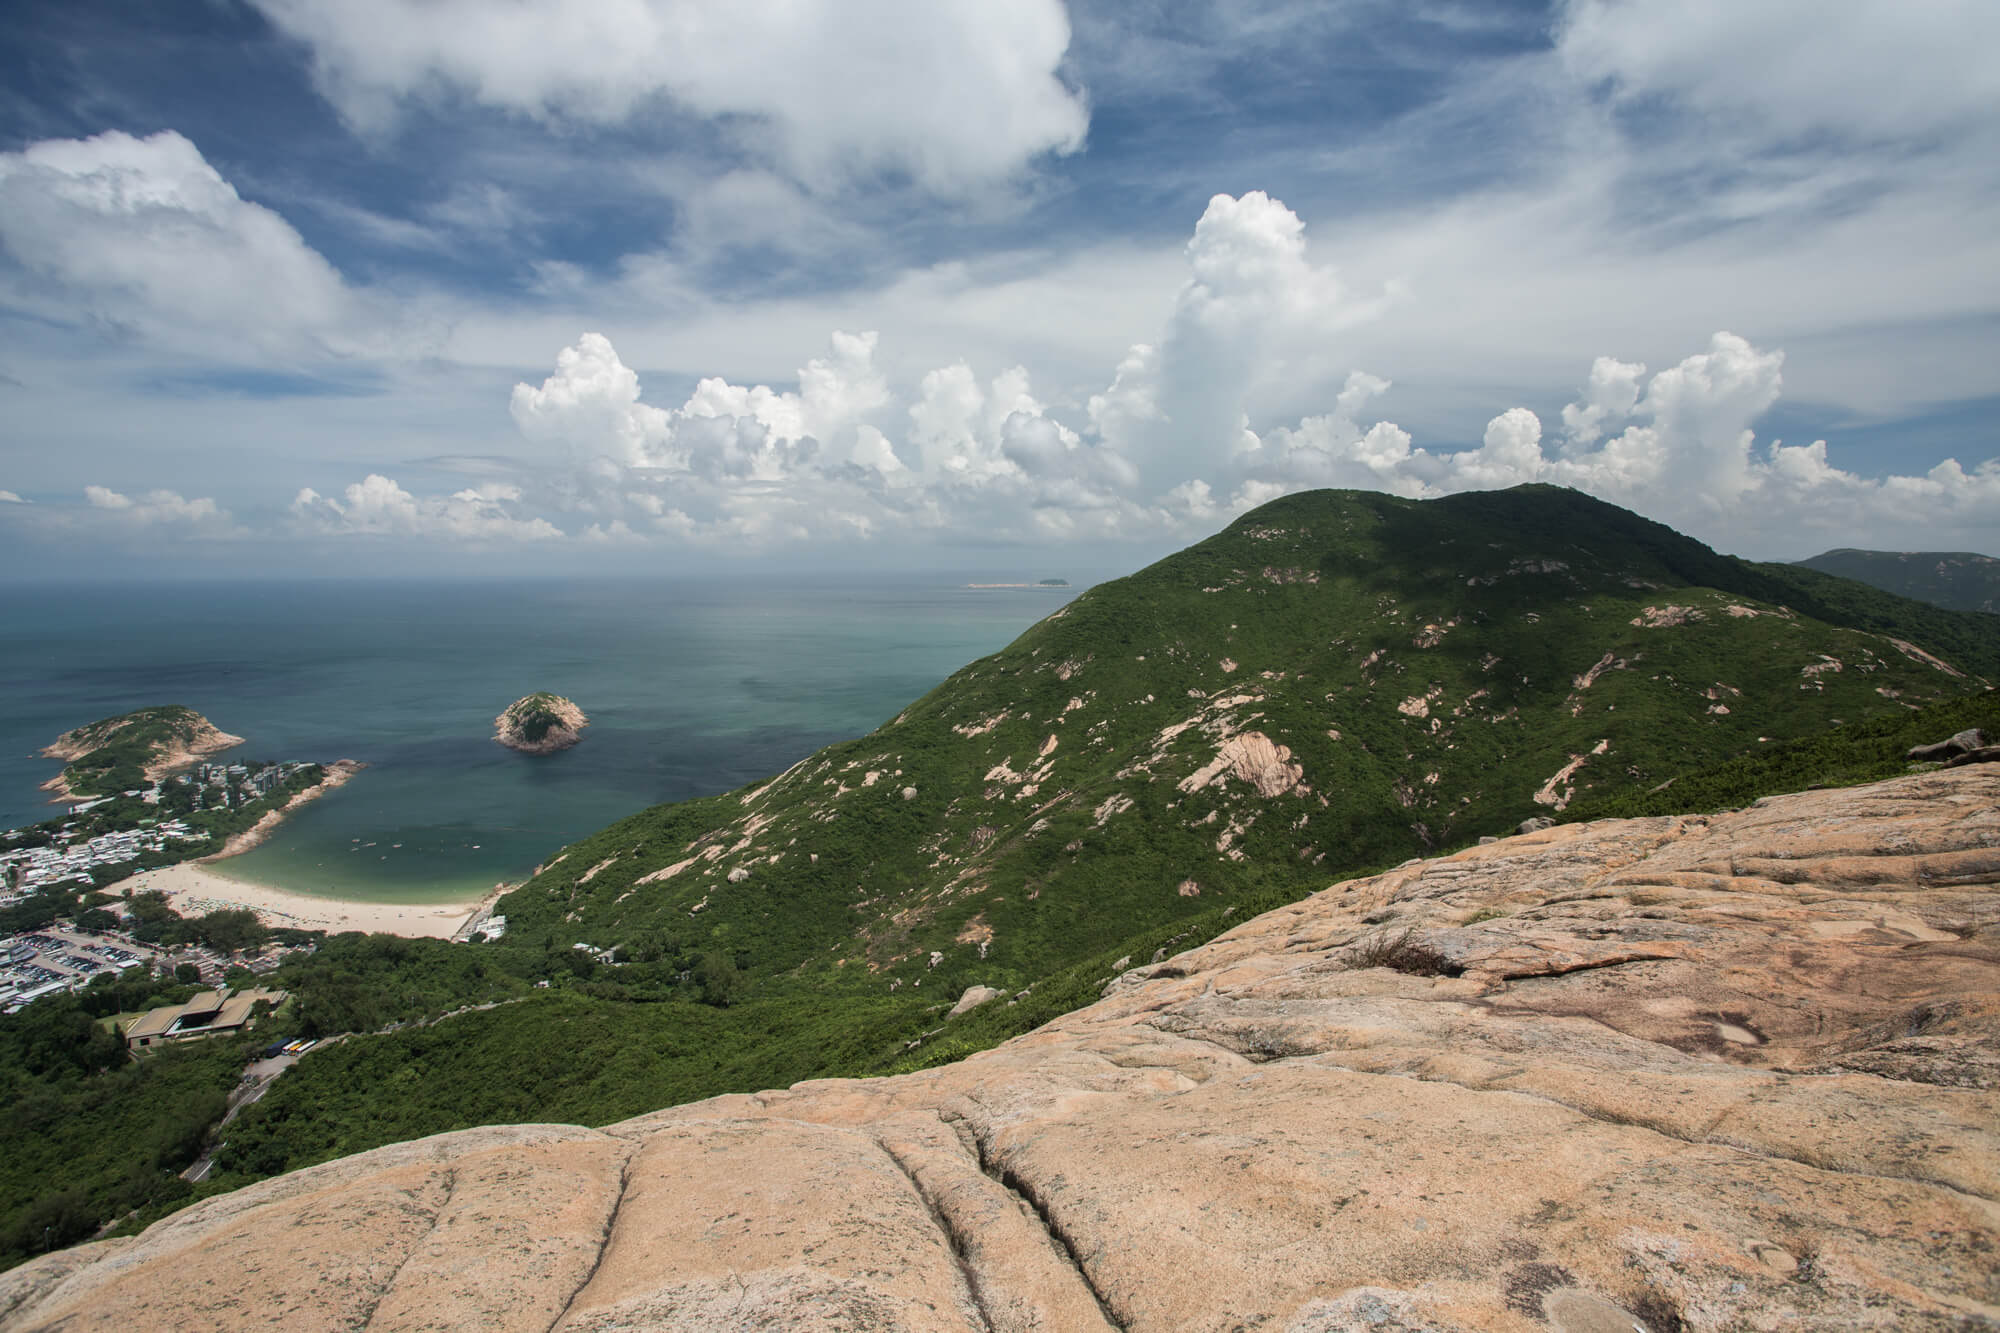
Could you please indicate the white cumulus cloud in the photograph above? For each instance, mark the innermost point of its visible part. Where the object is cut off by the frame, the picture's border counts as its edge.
(1254, 320)
(754, 463)
(378, 506)
(1172, 445)
(160, 507)
(953, 92)
(1881, 69)
(144, 235)
(1685, 452)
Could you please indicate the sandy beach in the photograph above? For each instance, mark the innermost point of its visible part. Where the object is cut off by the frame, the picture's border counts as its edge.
(194, 889)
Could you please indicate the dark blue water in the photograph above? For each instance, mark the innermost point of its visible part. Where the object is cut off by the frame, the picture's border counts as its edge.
(691, 687)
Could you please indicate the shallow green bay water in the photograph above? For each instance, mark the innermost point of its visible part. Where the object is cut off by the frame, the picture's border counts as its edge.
(691, 687)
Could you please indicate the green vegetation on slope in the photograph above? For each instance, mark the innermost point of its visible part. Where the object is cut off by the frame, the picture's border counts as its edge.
(1337, 682)
(90, 1135)
(1959, 580)
(113, 754)
(1964, 638)
(534, 716)
(1844, 757)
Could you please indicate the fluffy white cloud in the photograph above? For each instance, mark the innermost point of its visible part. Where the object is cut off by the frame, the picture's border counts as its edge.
(156, 508)
(1158, 450)
(591, 405)
(1687, 454)
(144, 235)
(377, 506)
(954, 92)
(745, 463)
(1255, 319)
(9, 498)
(1909, 68)
(1698, 437)
(1609, 395)
(1334, 449)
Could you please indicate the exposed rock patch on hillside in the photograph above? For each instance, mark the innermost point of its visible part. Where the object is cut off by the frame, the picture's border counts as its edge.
(1740, 1071)
(540, 723)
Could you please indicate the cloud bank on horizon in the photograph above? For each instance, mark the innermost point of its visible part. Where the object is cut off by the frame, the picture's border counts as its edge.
(1684, 230)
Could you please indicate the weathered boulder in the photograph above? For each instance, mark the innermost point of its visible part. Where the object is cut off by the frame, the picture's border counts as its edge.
(1738, 1071)
(1951, 747)
(974, 997)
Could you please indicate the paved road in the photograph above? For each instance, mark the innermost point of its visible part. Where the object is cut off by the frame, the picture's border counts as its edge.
(257, 1081)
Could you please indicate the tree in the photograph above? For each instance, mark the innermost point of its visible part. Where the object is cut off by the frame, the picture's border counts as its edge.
(187, 972)
(718, 979)
(96, 918)
(229, 930)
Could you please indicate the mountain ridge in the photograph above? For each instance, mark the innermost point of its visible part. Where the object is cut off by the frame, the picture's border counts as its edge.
(1137, 704)
(1334, 684)
(1956, 580)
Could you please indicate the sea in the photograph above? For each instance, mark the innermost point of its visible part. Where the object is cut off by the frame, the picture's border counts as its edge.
(693, 687)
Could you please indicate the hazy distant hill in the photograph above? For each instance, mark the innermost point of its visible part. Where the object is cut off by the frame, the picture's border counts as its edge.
(1338, 681)
(1959, 580)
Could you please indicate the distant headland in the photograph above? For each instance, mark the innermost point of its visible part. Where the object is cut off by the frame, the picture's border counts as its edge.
(143, 794)
(132, 750)
(1039, 583)
(540, 723)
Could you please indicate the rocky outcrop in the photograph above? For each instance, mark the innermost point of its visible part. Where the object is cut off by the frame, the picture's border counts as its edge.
(1951, 747)
(540, 723)
(170, 738)
(1739, 1071)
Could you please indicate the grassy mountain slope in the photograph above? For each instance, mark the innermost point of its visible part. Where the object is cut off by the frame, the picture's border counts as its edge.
(1337, 682)
(1958, 580)
(117, 753)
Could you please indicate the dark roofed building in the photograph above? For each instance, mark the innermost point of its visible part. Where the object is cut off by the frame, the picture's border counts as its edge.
(205, 1014)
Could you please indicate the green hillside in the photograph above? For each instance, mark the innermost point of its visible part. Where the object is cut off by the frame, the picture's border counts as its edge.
(118, 753)
(1958, 580)
(1337, 682)
(1339, 679)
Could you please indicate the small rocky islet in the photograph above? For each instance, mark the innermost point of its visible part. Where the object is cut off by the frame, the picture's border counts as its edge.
(540, 723)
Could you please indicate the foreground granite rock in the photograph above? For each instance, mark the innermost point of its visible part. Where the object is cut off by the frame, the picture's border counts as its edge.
(1732, 1072)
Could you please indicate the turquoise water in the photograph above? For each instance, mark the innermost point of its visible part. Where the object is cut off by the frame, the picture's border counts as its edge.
(692, 688)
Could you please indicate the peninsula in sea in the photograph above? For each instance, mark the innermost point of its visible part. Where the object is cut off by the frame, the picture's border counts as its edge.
(1039, 583)
(143, 794)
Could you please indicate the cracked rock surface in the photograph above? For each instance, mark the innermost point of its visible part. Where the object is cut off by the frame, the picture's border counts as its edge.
(1738, 1071)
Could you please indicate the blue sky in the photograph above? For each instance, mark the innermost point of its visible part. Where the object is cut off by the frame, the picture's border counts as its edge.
(396, 285)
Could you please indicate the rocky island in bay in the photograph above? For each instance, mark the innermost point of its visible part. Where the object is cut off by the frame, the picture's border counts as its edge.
(540, 723)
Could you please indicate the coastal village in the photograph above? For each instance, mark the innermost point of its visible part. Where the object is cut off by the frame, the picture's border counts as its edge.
(104, 839)
(79, 851)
